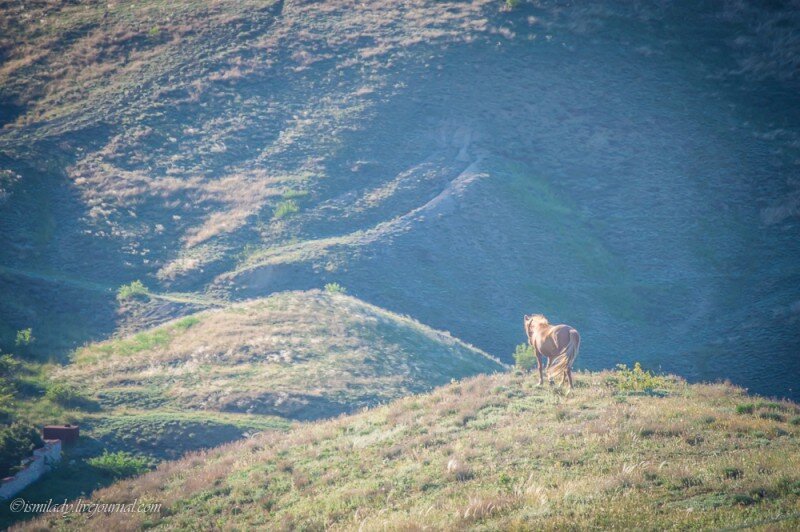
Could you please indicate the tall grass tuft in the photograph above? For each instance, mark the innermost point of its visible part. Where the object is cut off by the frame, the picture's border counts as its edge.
(134, 290)
(285, 208)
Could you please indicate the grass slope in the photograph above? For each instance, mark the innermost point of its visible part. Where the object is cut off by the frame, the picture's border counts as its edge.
(495, 452)
(216, 376)
(295, 354)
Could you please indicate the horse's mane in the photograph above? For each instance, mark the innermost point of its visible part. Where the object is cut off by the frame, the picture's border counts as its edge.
(537, 319)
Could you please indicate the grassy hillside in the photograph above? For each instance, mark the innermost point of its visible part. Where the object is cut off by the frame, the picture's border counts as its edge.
(295, 354)
(216, 376)
(408, 149)
(496, 452)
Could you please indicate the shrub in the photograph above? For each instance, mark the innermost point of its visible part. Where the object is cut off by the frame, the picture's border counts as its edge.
(187, 322)
(68, 396)
(772, 416)
(335, 288)
(8, 366)
(292, 194)
(119, 464)
(17, 442)
(746, 408)
(524, 357)
(24, 337)
(285, 208)
(8, 389)
(458, 470)
(732, 473)
(512, 4)
(637, 379)
(135, 290)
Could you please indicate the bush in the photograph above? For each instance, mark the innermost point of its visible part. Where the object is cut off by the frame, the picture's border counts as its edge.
(746, 408)
(17, 442)
(68, 396)
(524, 357)
(772, 416)
(8, 389)
(8, 367)
(119, 464)
(135, 290)
(24, 337)
(335, 288)
(637, 379)
(292, 194)
(285, 208)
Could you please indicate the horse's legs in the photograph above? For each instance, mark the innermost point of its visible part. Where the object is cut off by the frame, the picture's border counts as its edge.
(539, 367)
(569, 377)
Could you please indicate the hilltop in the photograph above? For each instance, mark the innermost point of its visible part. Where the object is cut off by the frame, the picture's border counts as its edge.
(300, 355)
(495, 452)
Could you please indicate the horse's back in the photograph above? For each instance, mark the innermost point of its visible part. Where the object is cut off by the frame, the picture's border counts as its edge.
(561, 333)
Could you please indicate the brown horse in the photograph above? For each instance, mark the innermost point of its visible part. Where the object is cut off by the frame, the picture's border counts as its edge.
(558, 343)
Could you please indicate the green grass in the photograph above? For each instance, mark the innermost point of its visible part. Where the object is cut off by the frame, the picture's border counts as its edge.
(295, 194)
(159, 337)
(285, 208)
(335, 288)
(119, 464)
(134, 290)
(495, 453)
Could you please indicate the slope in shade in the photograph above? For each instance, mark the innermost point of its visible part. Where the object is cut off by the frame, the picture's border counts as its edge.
(296, 354)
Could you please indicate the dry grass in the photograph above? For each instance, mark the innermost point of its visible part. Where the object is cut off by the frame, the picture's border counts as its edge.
(187, 155)
(414, 469)
(305, 354)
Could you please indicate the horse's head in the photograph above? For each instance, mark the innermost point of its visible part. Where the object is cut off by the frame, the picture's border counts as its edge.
(533, 320)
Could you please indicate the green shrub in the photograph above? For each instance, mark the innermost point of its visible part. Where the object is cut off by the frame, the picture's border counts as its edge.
(637, 379)
(24, 337)
(187, 322)
(285, 208)
(8, 389)
(135, 290)
(68, 396)
(773, 416)
(732, 473)
(17, 442)
(746, 408)
(512, 4)
(292, 194)
(9, 368)
(119, 464)
(524, 357)
(335, 288)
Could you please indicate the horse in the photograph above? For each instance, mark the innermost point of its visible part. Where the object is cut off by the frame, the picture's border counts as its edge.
(558, 343)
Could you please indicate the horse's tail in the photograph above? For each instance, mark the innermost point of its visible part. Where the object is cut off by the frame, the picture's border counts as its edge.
(562, 363)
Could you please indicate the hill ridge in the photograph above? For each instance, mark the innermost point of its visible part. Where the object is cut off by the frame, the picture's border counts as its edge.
(496, 452)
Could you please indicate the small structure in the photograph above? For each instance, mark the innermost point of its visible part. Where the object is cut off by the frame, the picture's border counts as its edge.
(35, 466)
(68, 434)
